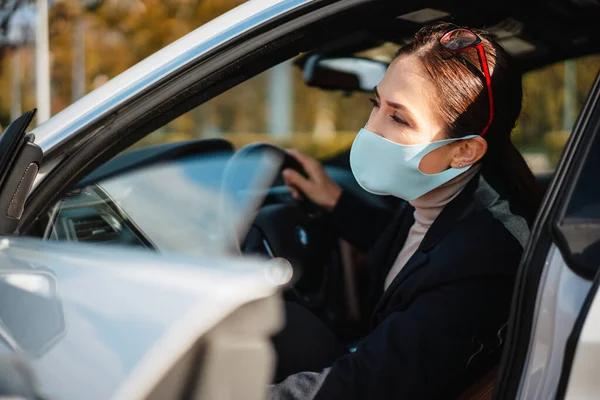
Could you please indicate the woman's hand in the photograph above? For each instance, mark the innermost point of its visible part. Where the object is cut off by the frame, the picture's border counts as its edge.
(319, 187)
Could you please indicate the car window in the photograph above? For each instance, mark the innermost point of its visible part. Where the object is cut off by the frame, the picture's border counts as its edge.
(276, 106)
(552, 100)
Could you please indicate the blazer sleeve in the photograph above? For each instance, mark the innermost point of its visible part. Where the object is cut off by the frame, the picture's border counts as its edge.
(358, 221)
(416, 353)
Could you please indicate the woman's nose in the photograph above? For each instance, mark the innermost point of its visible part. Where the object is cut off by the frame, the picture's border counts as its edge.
(372, 126)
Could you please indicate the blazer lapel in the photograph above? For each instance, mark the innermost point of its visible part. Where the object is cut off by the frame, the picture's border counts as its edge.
(381, 256)
(476, 195)
(417, 260)
(400, 233)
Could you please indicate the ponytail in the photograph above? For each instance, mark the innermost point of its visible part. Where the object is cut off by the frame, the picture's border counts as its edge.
(504, 166)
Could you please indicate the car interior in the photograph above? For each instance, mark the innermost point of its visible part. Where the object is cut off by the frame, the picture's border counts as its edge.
(329, 270)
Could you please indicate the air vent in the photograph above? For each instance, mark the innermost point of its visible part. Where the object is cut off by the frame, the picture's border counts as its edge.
(93, 228)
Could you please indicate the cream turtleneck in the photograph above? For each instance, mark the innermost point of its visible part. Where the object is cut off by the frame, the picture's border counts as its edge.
(427, 208)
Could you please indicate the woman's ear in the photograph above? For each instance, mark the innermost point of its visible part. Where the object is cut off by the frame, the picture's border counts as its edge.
(468, 152)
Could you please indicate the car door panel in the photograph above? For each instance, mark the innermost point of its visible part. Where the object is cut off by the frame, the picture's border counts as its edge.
(557, 307)
(579, 373)
(130, 316)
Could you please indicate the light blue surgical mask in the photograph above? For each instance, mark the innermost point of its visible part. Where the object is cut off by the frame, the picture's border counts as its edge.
(386, 168)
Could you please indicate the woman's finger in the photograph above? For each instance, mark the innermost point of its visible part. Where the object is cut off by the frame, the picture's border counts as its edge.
(308, 163)
(293, 178)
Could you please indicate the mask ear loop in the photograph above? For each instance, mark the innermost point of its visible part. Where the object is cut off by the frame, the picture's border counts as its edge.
(445, 143)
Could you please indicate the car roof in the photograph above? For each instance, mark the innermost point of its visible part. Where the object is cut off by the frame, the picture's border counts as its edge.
(535, 33)
(538, 33)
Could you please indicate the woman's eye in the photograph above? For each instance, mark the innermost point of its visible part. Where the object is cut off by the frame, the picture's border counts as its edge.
(398, 120)
(374, 102)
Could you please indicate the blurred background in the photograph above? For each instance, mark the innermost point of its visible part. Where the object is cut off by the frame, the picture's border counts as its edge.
(92, 41)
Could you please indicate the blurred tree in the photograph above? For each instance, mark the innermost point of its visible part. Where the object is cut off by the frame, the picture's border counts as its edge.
(118, 34)
(8, 8)
(544, 99)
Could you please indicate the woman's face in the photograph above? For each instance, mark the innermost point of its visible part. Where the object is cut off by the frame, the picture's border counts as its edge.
(404, 112)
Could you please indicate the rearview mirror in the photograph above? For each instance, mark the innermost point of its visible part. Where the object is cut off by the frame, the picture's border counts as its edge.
(31, 312)
(348, 74)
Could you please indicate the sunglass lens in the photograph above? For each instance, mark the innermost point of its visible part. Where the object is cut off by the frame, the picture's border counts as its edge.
(458, 39)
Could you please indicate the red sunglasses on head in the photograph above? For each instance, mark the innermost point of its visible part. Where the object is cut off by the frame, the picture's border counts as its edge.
(461, 39)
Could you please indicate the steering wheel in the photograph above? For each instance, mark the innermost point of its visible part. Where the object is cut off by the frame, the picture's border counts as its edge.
(296, 230)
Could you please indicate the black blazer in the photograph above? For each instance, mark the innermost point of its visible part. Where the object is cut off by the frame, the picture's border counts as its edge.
(440, 323)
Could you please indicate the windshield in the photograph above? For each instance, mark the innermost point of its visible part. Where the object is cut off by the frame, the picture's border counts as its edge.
(200, 205)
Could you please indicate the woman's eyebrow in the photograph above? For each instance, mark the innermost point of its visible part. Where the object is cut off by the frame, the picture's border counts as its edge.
(390, 103)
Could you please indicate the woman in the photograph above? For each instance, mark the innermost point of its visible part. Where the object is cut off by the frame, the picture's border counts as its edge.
(442, 268)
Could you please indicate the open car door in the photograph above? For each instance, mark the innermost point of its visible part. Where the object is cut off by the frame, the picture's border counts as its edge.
(103, 321)
(552, 342)
(20, 160)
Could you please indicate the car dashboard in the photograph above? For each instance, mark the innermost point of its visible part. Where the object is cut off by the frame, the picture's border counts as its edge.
(90, 215)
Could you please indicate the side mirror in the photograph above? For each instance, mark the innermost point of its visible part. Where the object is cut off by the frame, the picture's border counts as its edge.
(349, 74)
(31, 312)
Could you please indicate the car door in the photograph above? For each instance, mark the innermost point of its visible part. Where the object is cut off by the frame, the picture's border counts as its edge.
(20, 160)
(551, 338)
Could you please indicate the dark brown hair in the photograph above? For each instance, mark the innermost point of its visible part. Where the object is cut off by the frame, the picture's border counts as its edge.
(460, 84)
